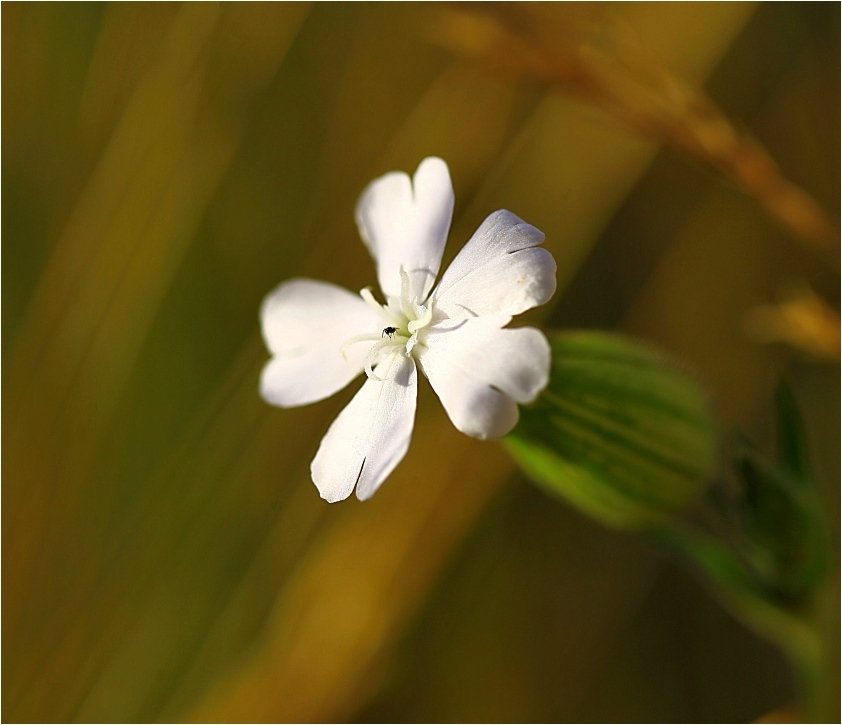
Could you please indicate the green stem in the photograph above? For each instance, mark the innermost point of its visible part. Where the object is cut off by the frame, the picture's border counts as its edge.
(795, 631)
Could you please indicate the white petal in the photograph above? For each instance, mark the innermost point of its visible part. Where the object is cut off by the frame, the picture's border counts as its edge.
(371, 434)
(304, 324)
(499, 270)
(480, 372)
(405, 223)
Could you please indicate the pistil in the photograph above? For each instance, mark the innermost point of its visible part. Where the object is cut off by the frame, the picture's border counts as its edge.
(400, 332)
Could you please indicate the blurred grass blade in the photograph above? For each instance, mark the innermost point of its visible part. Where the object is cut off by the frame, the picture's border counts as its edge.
(106, 280)
(785, 542)
(618, 432)
(783, 533)
(596, 55)
(791, 628)
(792, 441)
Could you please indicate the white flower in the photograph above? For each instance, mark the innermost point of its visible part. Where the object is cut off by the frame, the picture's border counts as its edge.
(321, 336)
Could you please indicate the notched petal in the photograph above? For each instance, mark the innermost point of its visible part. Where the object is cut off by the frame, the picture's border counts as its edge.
(371, 435)
(499, 270)
(404, 223)
(305, 324)
(480, 372)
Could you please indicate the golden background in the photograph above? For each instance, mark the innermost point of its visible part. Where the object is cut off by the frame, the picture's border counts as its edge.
(165, 556)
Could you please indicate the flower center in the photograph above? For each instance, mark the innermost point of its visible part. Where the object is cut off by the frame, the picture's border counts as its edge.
(402, 317)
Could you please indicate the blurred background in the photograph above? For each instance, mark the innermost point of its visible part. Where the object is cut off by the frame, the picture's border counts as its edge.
(165, 555)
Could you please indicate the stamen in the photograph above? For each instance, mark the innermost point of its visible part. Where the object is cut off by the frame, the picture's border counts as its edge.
(406, 307)
(355, 339)
(368, 297)
(422, 321)
(371, 358)
(384, 312)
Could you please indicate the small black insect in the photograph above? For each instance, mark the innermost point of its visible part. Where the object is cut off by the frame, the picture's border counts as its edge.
(389, 331)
